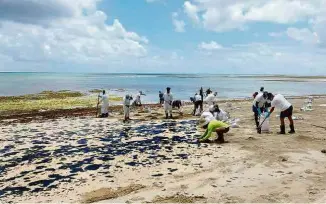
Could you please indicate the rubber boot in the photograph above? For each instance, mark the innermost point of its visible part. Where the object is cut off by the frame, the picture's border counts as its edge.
(166, 116)
(171, 116)
(282, 132)
(292, 131)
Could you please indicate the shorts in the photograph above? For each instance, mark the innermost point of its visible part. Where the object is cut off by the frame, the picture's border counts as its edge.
(287, 113)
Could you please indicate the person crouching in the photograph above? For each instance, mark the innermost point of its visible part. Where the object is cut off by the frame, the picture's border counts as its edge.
(213, 126)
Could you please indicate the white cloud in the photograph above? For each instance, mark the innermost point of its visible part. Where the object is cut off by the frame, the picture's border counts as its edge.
(304, 35)
(210, 46)
(78, 37)
(264, 58)
(319, 26)
(276, 34)
(191, 10)
(224, 15)
(179, 25)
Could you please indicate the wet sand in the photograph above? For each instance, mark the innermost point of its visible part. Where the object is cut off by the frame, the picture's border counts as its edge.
(88, 159)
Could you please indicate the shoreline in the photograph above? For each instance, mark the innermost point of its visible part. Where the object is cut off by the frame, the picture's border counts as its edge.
(21, 116)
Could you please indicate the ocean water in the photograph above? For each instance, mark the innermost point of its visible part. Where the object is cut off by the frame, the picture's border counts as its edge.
(182, 86)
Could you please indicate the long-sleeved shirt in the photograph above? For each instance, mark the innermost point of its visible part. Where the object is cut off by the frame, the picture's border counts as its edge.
(168, 98)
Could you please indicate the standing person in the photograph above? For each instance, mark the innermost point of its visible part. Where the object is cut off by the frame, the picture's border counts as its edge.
(197, 103)
(168, 98)
(138, 98)
(279, 102)
(214, 126)
(259, 105)
(161, 97)
(201, 93)
(126, 107)
(104, 105)
(211, 99)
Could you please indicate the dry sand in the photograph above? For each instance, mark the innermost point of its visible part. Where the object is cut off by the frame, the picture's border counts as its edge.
(87, 159)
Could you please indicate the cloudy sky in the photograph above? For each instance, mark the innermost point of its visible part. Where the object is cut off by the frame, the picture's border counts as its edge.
(165, 36)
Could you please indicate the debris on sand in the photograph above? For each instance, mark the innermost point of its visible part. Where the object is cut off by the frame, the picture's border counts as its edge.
(179, 199)
(109, 193)
(323, 151)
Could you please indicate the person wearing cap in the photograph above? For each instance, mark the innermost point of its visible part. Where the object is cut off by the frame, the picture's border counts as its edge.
(208, 117)
(213, 125)
(126, 107)
(278, 101)
(259, 105)
(168, 99)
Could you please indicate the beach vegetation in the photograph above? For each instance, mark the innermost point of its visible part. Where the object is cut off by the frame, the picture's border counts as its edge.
(50, 100)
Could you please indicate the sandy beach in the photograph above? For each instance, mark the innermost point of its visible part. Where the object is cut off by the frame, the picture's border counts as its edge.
(71, 157)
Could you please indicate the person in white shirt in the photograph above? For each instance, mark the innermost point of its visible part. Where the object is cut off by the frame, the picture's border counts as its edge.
(286, 108)
(197, 104)
(211, 99)
(126, 107)
(168, 98)
(208, 117)
(258, 106)
(218, 113)
(104, 105)
(138, 99)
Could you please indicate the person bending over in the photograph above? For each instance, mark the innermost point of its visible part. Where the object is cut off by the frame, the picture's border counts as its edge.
(279, 102)
(259, 106)
(214, 126)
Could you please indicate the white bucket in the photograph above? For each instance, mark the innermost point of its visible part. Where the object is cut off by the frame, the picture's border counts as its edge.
(265, 125)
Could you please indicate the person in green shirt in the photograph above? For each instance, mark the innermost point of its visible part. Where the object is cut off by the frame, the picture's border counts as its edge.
(214, 126)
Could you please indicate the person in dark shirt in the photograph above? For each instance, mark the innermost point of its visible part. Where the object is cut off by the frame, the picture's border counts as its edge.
(161, 97)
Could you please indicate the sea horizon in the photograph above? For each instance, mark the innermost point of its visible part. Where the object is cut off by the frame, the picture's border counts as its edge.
(183, 86)
(166, 73)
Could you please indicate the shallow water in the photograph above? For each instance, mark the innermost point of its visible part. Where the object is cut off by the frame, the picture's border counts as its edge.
(183, 86)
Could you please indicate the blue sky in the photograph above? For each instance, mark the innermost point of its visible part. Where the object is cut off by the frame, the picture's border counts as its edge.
(195, 36)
